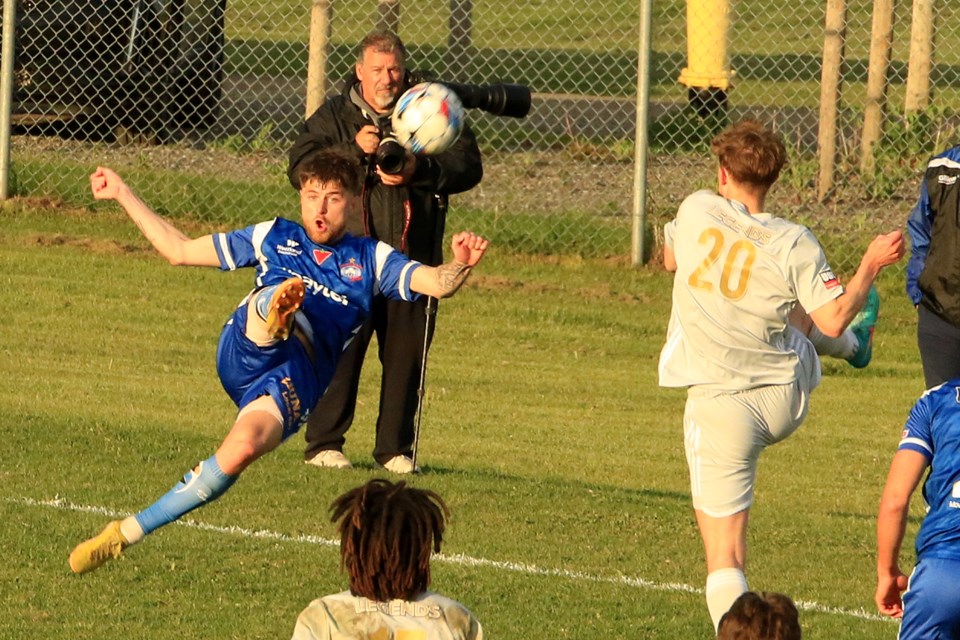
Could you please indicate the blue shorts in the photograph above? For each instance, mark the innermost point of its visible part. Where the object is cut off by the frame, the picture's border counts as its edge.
(282, 371)
(931, 603)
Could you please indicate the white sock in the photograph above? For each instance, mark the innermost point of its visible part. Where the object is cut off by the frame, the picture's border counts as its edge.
(256, 328)
(843, 347)
(724, 586)
(131, 530)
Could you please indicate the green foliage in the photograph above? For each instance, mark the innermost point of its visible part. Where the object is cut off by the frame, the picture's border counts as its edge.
(584, 234)
(543, 428)
(906, 145)
(683, 130)
(233, 143)
(800, 174)
(606, 149)
(265, 140)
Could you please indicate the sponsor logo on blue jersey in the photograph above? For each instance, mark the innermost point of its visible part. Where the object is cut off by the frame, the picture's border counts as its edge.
(291, 248)
(291, 400)
(322, 290)
(320, 255)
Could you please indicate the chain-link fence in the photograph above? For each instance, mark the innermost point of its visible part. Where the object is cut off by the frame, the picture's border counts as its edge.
(196, 101)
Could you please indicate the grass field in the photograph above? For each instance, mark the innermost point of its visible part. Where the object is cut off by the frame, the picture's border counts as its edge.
(543, 428)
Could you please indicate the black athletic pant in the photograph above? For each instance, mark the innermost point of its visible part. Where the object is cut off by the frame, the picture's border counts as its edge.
(399, 327)
(939, 343)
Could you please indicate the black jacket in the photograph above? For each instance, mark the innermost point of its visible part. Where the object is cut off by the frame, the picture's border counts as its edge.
(335, 125)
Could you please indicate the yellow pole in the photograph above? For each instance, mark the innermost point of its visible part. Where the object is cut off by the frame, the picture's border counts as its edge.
(707, 74)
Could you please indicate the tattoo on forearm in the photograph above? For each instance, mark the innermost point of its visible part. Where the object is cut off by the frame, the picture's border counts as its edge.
(450, 276)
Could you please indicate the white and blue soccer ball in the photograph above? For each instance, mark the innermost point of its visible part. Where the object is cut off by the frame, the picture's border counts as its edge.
(428, 118)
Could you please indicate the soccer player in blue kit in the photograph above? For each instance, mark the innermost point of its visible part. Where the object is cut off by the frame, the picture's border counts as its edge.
(278, 350)
(930, 607)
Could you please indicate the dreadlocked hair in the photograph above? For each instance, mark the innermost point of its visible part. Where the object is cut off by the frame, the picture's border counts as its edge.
(387, 533)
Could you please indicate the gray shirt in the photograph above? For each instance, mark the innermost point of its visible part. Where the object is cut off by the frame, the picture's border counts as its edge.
(343, 616)
(738, 277)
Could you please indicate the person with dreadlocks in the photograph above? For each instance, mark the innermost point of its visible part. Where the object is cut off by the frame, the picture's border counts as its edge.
(387, 533)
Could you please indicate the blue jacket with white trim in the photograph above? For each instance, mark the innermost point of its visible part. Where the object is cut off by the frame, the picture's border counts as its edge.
(933, 271)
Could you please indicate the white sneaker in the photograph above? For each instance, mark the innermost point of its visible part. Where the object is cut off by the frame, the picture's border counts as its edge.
(401, 464)
(330, 458)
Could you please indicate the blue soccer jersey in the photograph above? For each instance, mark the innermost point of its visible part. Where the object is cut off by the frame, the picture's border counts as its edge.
(933, 430)
(340, 280)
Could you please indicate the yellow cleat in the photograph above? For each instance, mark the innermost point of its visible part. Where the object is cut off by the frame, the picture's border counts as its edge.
(92, 553)
(284, 303)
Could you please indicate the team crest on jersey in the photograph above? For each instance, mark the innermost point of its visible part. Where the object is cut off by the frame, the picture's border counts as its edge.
(829, 280)
(351, 270)
(320, 255)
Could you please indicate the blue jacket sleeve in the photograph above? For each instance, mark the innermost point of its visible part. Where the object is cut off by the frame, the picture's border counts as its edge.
(918, 226)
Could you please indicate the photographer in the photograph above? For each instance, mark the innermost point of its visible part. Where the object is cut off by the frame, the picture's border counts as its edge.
(404, 206)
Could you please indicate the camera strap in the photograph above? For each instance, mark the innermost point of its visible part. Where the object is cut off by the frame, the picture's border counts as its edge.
(365, 201)
(367, 214)
(407, 215)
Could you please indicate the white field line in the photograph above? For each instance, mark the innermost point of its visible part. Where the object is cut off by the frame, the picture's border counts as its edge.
(458, 559)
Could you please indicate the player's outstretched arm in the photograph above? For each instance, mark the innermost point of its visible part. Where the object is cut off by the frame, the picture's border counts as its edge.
(833, 317)
(905, 472)
(443, 281)
(169, 241)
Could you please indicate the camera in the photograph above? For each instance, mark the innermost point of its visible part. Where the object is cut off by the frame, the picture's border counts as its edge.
(391, 155)
(510, 100)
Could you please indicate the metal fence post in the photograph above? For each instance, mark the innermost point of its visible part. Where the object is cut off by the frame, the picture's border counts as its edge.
(460, 40)
(388, 15)
(641, 144)
(6, 93)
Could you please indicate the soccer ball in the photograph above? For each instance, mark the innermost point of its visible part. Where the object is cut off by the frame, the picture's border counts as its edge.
(428, 118)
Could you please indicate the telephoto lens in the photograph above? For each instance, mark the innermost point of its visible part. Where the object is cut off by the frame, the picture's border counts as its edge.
(511, 100)
(391, 156)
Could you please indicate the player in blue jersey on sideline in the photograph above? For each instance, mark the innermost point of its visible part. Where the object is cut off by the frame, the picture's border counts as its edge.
(930, 606)
(278, 350)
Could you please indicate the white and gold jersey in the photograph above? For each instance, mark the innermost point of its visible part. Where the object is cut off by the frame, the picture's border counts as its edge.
(343, 616)
(738, 277)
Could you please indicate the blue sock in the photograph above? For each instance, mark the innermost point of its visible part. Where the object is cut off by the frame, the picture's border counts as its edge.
(204, 484)
(263, 301)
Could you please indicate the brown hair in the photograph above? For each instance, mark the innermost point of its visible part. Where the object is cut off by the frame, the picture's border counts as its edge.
(381, 41)
(751, 153)
(764, 616)
(387, 533)
(331, 166)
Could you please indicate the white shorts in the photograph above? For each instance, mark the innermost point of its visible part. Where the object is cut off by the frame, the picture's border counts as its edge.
(724, 433)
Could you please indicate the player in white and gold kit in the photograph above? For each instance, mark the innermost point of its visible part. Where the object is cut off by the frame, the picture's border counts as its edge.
(387, 533)
(742, 277)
